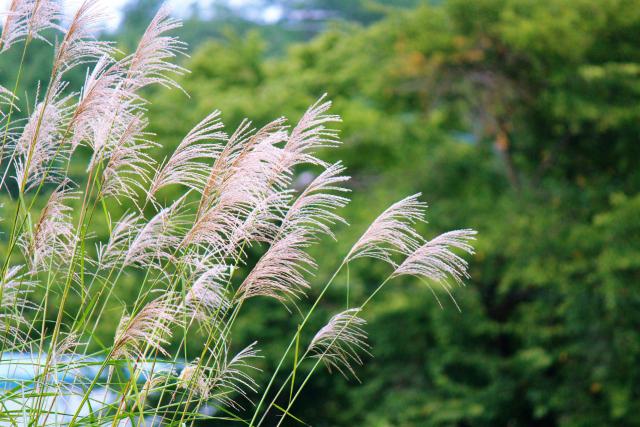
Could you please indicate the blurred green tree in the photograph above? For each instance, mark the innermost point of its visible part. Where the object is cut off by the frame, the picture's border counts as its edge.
(517, 117)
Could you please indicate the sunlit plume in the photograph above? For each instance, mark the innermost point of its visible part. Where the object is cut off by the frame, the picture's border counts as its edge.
(27, 19)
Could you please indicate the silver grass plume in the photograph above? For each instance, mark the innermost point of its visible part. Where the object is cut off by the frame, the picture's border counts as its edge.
(53, 236)
(150, 63)
(313, 210)
(127, 168)
(280, 272)
(213, 228)
(100, 97)
(26, 19)
(155, 240)
(261, 222)
(239, 159)
(225, 381)
(104, 133)
(187, 165)
(308, 136)
(39, 144)
(436, 259)
(122, 234)
(232, 377)
(66, 346)
(391, 232)
(6, 98)
(340, 341)
(70, 342)
(199, 261)
(152, 382)
(207, 295)
(311, 134)
(148, 330)
(195, 377)
(235, 144)
(256, 169)
(16, 285)
(79, 44)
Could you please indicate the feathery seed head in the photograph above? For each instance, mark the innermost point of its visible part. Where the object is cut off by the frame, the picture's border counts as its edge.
(207, 295)
(39, 145)
(155, 240)
(53, 236)
(150, 63)
(232, 377)
(436, 259)
(188, 164)
(27, 19)
(313, 210)
(195, 377)
(392, 232)
(280, 272)
(148, 330)
(79, 45)
(311, 134)
(16, 286)
(340, 341)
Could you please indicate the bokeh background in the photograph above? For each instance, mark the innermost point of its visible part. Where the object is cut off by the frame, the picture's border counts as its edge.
(519, 118)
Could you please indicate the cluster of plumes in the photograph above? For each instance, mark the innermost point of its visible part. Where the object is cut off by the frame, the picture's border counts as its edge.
(238, 192)
(391, 236)
(107, 114)
(27, 19)
(47, 138)
(248, 198)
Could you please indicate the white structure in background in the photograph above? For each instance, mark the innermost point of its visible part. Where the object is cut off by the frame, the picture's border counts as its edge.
(17, 374)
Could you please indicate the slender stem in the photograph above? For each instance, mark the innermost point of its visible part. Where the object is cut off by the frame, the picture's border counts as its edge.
(293, 340)
(12, 105)
(315, 366)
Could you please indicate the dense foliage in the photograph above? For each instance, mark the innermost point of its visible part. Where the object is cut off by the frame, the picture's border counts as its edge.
(517, 117)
